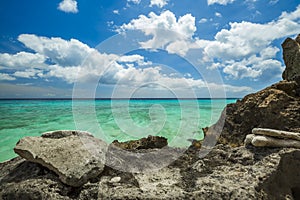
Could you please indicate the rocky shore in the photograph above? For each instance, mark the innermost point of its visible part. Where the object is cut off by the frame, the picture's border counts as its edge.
(75, 165)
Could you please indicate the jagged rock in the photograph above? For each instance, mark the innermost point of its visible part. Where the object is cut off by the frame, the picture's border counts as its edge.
(151, 142)
(275, 107)
(143, 155)
(225, 173)
(75, 156)
(276, 133)
(291, 56)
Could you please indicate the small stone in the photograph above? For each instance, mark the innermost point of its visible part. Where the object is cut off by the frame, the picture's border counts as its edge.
(115, 179)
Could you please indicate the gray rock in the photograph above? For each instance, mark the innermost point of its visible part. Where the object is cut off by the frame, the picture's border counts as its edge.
(75, 156)
(225, 173)
(276, 133)
(291, 56)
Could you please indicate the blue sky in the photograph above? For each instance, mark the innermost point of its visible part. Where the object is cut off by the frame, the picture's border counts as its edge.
(142, 48)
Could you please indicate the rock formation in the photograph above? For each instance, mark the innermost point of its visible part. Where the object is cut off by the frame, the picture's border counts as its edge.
(226, 173)
(275, 107)
(291, 56)
(75, 156)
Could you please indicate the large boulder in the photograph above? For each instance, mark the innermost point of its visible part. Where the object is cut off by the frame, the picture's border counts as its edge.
(291, 56)
(75, 156)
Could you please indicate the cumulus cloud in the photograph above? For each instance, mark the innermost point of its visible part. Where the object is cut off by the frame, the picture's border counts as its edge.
(73, 61)
(165, 29)
(56, 49)
(68, 6)
(244, 50)
(158, 3)
(6, 77)
(134, 1)
(22, 60)
(221, 2)
(29, 73)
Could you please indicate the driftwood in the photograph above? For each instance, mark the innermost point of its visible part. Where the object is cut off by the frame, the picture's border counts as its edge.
(276, 133)
(266, 141)
(262, 137)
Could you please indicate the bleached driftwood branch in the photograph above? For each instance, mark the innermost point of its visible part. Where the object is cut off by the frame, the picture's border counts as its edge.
(261, 137)
(276, 133)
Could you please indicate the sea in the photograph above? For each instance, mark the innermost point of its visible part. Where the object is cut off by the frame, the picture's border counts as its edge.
(179, 120)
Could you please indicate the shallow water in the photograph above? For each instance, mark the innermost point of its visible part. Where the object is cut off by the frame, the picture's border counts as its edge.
(177, 120)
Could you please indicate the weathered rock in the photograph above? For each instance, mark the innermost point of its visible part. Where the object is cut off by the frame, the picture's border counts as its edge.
(276, 133)
(275, 107)
(291, 56)
(75, 156)
(145, 154)
(151, 142)
(226, 173)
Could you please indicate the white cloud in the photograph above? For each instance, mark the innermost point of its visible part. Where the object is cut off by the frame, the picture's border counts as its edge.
(6, 77)
(246, 38)
(158, 3)
(134, 1)
(69, 6)
(129, 71)
(62, 52)
(202, 20)
(239, 50)
(273, 2)
(217, 14)
(221, 2)
(165, 28)
(22, 60)
(28, 73)
(116, 12)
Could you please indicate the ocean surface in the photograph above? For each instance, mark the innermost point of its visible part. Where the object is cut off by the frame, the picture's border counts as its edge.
(177, 120)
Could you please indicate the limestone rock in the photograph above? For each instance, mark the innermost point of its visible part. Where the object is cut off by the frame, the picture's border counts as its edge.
(276, 133)
(291, 56)
(225, 173)
(75, 156)
(275, 107)
(151, 142)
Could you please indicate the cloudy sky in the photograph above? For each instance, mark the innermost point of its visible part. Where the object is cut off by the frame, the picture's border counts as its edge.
(142, 48)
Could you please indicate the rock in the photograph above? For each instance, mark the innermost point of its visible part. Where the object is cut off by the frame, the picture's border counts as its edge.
(291, 56)
(151, 142)
(276, 133)
(275, 107)
(116, 179)
(266, 141)
(225, 173)
(75, 156)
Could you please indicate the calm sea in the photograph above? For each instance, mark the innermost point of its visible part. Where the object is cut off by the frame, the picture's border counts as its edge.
(177, 120)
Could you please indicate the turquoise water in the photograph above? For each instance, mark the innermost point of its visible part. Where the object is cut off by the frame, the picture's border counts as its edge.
(177, 120)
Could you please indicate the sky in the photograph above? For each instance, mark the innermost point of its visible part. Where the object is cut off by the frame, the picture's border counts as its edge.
(142, 48)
